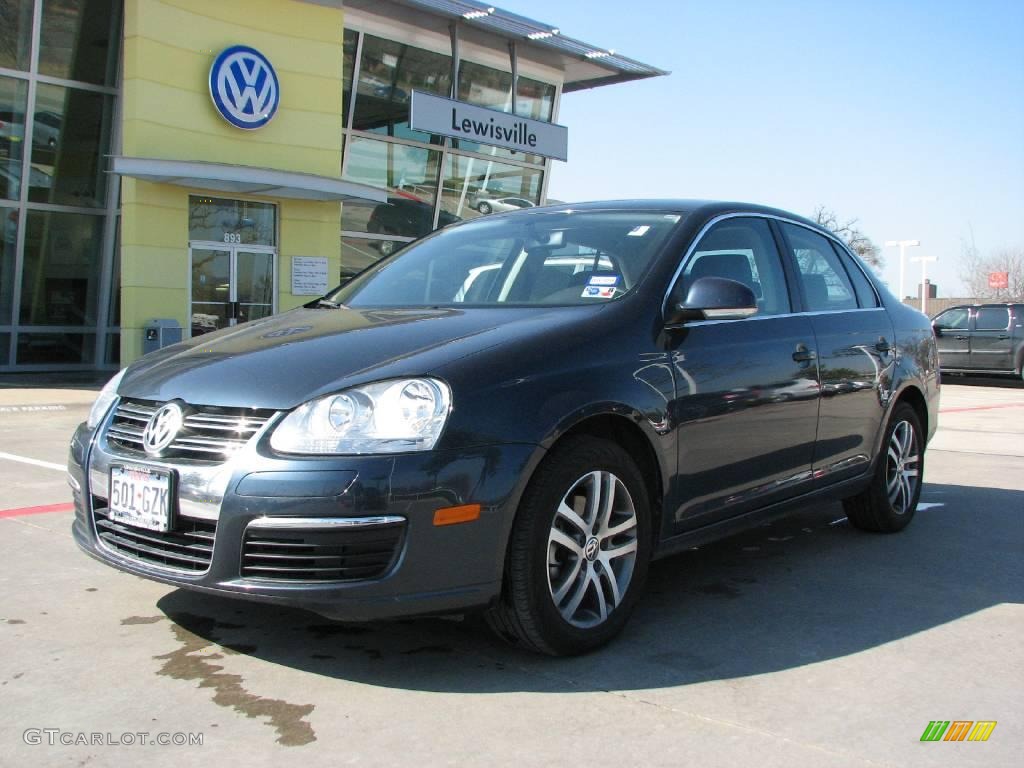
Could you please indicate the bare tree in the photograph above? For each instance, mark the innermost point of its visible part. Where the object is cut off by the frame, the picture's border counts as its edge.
(850, 234)
(975, 270)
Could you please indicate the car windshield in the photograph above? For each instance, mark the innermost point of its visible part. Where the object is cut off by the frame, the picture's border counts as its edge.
(551, 258)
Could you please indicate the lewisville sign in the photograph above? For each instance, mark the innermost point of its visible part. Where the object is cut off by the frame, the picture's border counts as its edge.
(459, 120)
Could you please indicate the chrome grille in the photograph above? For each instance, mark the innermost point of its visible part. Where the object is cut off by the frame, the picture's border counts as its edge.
(188, 547)
(209, 433)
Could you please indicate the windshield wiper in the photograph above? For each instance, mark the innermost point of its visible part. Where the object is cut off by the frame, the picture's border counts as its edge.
(323, 303)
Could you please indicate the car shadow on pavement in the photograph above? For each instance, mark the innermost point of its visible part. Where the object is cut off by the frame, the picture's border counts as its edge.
(801, 590)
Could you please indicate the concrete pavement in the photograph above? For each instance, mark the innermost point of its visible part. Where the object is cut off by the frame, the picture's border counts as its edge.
(802, 643)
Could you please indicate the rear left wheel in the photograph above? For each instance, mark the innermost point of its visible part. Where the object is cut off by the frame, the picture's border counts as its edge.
(579, 551)
(889, 502)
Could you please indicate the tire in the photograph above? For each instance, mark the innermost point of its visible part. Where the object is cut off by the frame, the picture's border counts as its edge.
(484, 208)
(571, 579)
(887, 505)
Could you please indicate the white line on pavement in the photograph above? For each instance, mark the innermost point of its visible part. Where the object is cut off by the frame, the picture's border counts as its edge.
(34, 462)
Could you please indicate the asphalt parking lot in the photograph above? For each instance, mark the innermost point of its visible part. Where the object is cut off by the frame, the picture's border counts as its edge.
(803, 643)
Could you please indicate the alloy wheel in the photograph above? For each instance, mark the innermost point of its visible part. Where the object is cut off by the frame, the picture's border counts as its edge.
(901, 476)
(592, 548)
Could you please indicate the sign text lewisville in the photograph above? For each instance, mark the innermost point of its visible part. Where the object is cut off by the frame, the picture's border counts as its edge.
(459, 120)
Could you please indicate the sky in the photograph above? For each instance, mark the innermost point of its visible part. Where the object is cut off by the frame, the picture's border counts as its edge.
(907, 116)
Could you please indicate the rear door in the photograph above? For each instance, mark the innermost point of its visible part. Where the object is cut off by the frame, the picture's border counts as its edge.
(855, 352)
(991, 340)
(746, 409)
(952, 337)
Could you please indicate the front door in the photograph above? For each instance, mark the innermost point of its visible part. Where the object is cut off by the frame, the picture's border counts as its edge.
(231, 284)
(952, 338)
(747, 390)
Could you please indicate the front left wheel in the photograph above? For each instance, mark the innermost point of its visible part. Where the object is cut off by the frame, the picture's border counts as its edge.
(579, 550)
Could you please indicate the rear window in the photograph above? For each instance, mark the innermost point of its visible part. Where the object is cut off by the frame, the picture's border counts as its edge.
(992, 319)
(826, 285)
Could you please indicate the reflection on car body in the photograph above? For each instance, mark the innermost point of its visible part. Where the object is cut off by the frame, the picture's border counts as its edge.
(547, 399)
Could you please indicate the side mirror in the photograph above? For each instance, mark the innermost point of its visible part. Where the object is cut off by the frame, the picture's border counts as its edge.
(937, 329)
(714, 298)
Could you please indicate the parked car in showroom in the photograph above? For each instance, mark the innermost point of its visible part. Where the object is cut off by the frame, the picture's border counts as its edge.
(404, 217)
(501, 204)
(981, 339)
(634, 379)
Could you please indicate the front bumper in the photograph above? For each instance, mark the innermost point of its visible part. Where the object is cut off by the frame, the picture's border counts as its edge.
(435, 569)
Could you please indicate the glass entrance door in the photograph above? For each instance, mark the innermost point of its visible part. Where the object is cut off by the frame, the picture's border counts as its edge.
(230, 285)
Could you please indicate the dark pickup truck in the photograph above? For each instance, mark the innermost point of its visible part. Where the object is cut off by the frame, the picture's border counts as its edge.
(984, 338)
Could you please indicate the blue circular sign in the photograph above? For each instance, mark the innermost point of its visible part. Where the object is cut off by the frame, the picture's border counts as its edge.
(244, 87)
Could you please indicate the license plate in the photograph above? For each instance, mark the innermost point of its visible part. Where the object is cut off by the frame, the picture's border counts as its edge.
(141, 497)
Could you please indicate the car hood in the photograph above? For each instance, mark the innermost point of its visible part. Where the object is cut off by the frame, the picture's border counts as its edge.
(282, 361)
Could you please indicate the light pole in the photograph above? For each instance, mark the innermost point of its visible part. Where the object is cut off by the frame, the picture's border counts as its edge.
(903, 244)
(924, 286)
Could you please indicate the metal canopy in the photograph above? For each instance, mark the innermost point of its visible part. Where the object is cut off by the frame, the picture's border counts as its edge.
(244, 180)
(600, 66)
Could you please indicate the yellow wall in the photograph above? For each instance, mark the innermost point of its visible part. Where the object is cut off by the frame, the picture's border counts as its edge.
(169, 46)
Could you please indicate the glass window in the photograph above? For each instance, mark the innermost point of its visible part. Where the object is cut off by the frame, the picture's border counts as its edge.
(992, 319)
(742, 250)
(358, 253)
(13, 95)
(861, 285)
(388, 74)
(8, 246)
(572, 258)
(475, 187)
(955, 319)
(535, 99)
(409, 173)
(79, 40)
(492, 88)
(42, 348)
(113, 356)
(15, 33)
(238, 222)
(826, 284)
(70, 136)
(60, 278)
(349, 43)
(5, 348)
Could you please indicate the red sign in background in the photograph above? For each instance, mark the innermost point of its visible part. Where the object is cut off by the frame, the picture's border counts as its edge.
(998, 280)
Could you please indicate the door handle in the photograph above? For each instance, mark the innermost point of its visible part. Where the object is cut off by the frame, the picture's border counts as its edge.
(1002, 337)
(960, 338)
(803, 355)
(232, 307)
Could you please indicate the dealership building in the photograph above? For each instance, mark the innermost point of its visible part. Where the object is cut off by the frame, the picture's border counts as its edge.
(187, 164)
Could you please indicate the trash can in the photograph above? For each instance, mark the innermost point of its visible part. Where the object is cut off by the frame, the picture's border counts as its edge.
(159, 333)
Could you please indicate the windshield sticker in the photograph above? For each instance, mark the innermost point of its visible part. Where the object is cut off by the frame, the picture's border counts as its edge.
(640, 231)
(598, 292)
(604, 280)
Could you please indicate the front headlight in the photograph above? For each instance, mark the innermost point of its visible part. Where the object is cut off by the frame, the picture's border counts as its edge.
(103, 402)
(385, 417)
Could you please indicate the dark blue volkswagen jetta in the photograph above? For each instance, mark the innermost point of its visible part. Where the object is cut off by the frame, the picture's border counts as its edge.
(517, 414)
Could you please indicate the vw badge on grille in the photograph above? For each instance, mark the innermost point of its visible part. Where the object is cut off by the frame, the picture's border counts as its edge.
(162, 428)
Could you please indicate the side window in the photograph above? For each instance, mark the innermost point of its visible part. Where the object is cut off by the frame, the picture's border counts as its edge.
(826, 284)
(742, 250)
(992, 319)
(861, 285)
(953, 319)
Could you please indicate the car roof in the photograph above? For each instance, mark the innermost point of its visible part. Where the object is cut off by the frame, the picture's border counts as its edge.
(687, 206)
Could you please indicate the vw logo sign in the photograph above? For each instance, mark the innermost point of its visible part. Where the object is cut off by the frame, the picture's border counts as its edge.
(162, 428)
(244, 87)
